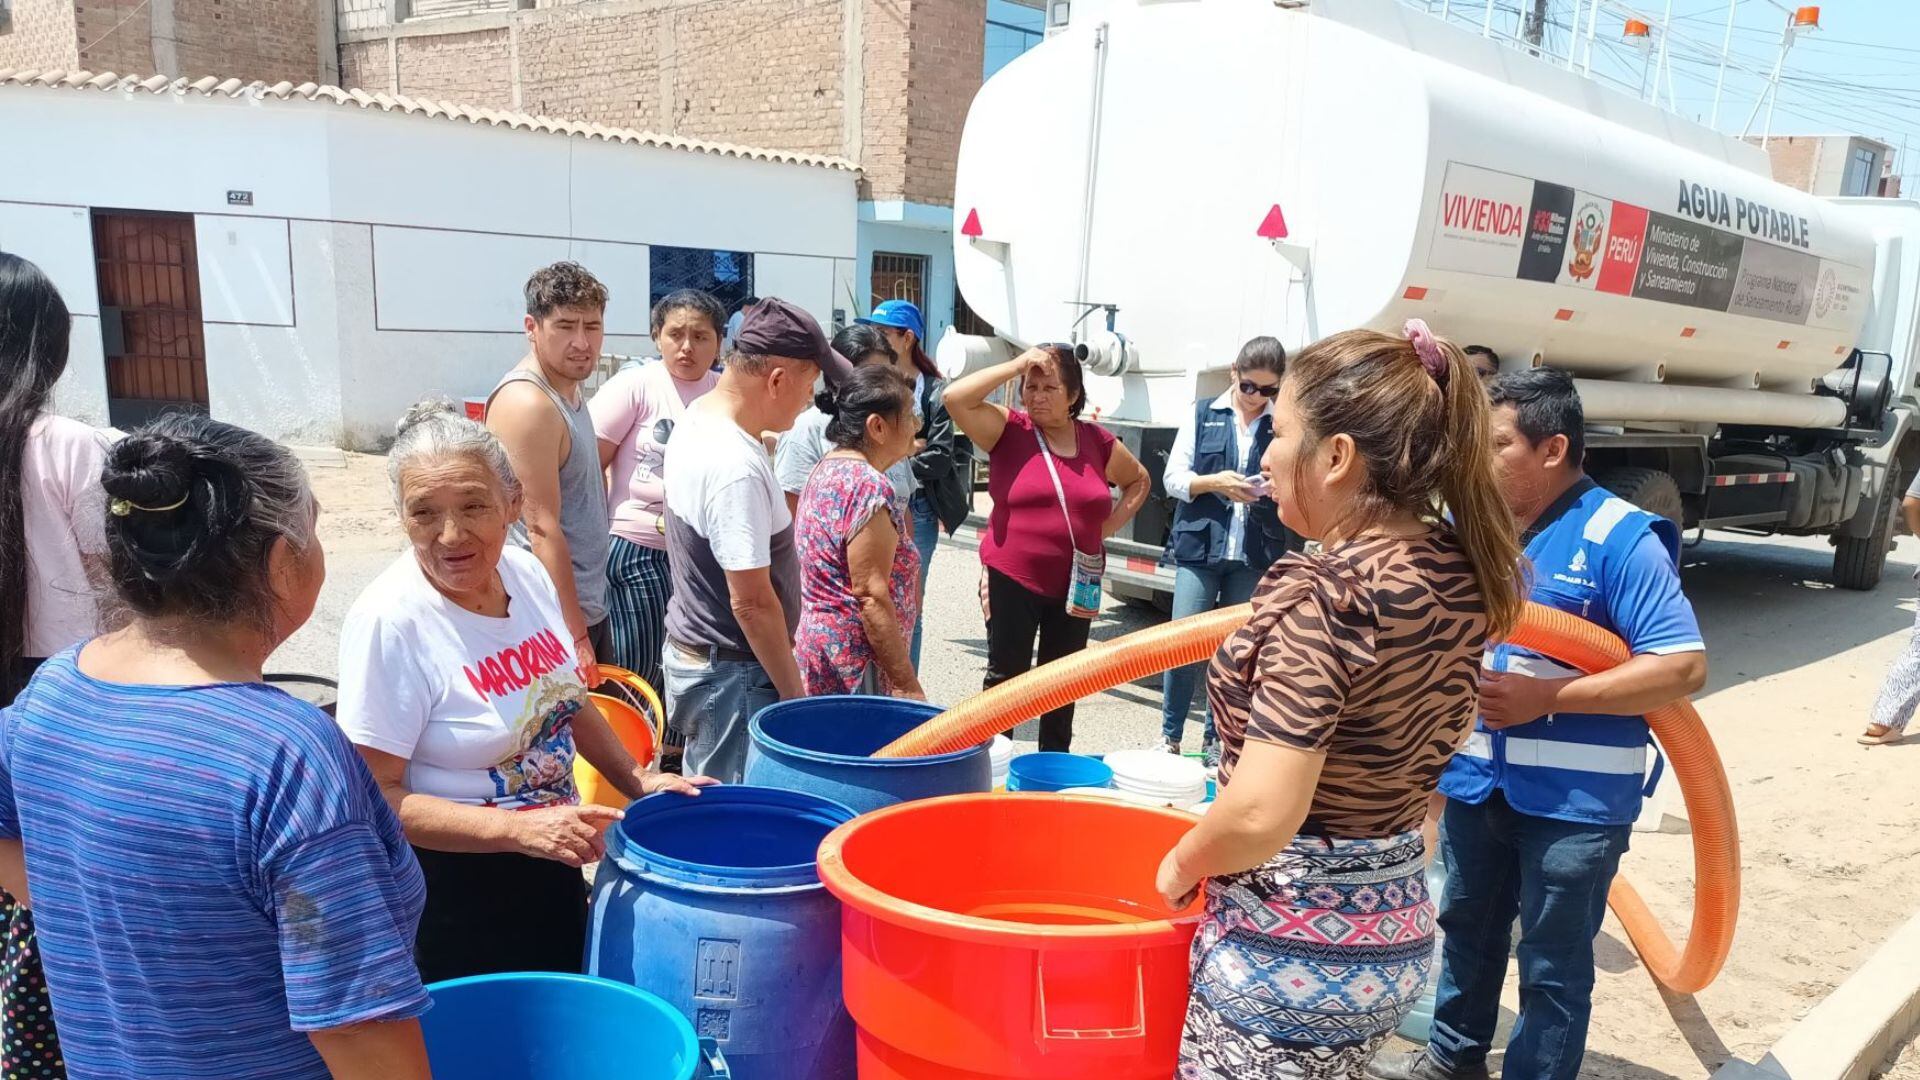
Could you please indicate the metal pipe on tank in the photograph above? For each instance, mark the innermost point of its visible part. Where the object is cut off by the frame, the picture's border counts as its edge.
(1093, 164)
(960, 354)
(1651, 402)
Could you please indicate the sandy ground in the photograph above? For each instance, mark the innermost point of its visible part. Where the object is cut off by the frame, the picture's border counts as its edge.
(1830, 830)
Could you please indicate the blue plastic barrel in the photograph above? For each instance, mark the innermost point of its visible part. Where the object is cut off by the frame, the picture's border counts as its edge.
(713, 902)
(823, 745)
(1052, 771)
(545, 1024)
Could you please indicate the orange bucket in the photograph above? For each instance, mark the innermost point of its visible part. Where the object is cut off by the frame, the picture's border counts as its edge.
(634, 717)
(1011, 935)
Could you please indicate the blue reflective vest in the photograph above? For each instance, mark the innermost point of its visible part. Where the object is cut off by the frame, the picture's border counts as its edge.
(1596, 556)
(1200, 525)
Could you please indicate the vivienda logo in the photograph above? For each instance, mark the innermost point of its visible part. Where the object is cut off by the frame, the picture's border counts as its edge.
(1474, 213)
(514, 669)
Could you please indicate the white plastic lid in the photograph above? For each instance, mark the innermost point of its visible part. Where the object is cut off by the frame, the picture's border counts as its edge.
(1133, 797)
(1158, 773)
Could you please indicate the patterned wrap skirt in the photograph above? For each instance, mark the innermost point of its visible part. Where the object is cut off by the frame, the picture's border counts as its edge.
(1303, 966)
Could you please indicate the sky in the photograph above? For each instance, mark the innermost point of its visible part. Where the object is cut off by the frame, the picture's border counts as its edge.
(1858, 74)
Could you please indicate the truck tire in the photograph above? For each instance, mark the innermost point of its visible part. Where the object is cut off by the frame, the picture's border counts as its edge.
(1858, 560)
(1649, 489)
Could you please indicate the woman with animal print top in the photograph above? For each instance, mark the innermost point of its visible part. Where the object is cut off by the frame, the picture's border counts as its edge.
(1338, 705)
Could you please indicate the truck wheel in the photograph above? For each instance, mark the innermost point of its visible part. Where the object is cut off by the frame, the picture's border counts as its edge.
(1649, 489)
(1858, 560)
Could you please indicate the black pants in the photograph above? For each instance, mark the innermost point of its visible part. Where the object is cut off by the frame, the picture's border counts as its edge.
(490, 912)
(1015, 615)
(600, 636)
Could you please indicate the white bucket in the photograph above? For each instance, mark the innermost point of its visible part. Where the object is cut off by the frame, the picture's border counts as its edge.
(1001, 754)
(1165, 779)
(1131, 797)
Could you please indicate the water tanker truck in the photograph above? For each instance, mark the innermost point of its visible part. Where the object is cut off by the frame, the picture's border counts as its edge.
(1159, 181)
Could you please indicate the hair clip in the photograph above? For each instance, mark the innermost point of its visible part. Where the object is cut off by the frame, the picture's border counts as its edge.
(1428, 349)
(123, 507)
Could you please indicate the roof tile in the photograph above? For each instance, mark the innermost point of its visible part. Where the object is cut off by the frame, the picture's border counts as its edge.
(212, 86)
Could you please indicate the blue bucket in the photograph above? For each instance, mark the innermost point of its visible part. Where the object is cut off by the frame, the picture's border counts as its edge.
(546, 1024)
(824, 746)
(714, 903)
(1050, 771)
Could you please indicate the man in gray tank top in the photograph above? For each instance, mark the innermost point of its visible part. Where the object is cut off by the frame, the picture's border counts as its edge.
(540, 415)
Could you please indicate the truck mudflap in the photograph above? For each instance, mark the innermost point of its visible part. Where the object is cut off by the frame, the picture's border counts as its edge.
(1888, 461)
(1138, 573)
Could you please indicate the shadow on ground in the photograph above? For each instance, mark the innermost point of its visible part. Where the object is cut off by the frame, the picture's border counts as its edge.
(1768, 607)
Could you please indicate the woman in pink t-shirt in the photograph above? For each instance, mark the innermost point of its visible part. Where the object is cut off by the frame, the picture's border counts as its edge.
(1037, 524)
(633, 414)
(52, 531)
(52, 512)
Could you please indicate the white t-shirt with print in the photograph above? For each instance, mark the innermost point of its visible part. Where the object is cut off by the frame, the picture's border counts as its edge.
(720, 482)
(481, 708)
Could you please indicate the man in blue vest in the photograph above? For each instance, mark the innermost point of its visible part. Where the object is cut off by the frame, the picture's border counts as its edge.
(1541, 799)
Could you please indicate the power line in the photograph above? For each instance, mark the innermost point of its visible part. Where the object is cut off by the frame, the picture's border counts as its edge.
(137, 8)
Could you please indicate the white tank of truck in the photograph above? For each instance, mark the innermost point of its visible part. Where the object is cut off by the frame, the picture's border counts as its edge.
(1215, 170)
(1159, 181)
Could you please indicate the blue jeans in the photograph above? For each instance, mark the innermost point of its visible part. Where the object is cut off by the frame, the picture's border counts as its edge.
(926, 537)
(1197, 589)
(713, 701)
(1555, 874)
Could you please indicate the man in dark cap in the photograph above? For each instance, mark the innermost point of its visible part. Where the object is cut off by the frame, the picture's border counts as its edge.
(736, 584)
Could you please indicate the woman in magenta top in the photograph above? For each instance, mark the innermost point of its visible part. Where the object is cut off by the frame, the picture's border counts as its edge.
(1035, 527)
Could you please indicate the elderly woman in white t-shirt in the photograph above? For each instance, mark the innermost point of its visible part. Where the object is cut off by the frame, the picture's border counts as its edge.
(460, 686)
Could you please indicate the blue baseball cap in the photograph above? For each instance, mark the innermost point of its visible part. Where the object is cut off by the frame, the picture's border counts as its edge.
(899, 314)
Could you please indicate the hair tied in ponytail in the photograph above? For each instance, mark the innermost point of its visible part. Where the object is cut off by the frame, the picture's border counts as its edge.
(827, 401)
(1428, 349)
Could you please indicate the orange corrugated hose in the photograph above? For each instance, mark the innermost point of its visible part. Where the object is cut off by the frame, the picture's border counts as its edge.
(1689, 750)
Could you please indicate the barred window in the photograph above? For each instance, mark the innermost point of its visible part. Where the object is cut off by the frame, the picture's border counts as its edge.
(899, 277)
(728, 275)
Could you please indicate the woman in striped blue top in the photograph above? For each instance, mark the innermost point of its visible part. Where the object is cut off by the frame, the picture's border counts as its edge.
(219, 887)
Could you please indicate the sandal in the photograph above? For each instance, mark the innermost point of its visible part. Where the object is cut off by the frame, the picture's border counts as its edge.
(1886, 736)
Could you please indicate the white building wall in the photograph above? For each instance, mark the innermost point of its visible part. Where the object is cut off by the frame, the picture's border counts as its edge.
(59, 240)
(935, 244)
(384, 255)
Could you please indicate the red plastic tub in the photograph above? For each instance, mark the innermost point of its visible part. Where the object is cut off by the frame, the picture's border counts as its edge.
(996, 936)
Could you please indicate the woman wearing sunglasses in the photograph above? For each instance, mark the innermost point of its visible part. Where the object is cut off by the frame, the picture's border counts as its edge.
(1226, 529)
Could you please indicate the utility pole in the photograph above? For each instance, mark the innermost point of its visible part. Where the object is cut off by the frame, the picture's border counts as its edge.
(1801, 21)
(1726, 49)
(1535, 30)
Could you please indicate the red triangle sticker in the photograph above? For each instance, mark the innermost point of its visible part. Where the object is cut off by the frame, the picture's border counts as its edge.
(1275, 225)
(972, 225)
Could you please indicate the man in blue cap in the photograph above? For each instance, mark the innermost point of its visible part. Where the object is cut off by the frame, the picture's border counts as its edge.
(941, 499)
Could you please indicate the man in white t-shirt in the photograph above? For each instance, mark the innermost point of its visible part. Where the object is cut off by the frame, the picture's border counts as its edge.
(736, 584)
